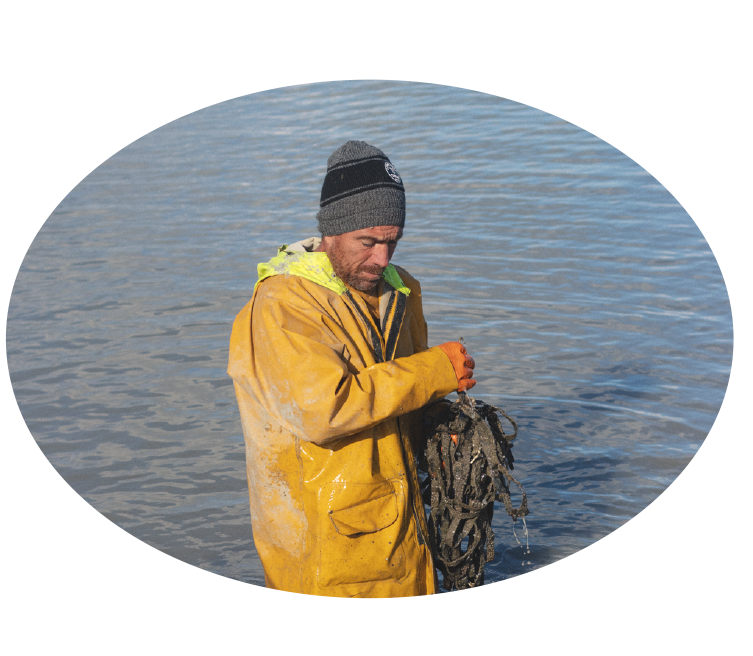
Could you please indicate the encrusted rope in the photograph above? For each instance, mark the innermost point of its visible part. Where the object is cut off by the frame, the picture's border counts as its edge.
(467, 458)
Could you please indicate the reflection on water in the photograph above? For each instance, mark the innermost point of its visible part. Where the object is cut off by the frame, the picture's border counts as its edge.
(591, 302)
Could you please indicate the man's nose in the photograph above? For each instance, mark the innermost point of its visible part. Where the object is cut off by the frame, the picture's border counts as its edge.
(380, 255)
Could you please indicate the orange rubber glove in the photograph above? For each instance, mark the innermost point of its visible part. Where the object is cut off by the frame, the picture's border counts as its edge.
(461, 362)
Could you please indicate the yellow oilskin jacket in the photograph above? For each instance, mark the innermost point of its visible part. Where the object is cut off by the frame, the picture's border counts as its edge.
(330, 406)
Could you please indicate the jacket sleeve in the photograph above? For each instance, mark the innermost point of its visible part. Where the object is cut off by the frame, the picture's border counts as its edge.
(301, 375)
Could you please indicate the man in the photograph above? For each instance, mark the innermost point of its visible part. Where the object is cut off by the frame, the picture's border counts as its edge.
(332, 370)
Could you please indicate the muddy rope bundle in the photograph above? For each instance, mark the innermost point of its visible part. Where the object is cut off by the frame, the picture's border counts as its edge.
(468, 460)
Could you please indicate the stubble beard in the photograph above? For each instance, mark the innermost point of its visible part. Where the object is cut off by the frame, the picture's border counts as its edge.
(351, 275)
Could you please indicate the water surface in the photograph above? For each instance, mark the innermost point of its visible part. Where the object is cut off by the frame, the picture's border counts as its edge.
(592, 304)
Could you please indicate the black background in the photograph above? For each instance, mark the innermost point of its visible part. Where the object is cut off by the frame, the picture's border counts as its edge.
(98, 88)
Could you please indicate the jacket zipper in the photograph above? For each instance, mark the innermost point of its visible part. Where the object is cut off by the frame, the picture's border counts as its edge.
(380, 348)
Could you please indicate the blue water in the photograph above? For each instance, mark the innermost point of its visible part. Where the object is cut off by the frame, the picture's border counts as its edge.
(592, 304)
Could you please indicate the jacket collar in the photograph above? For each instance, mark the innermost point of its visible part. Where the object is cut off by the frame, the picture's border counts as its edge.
(301, 259)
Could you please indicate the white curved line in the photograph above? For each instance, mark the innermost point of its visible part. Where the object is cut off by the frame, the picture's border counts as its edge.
(563, 15)
(262, 633)
(588, 32)
(395, 25)
(9, 511)
(149, 632)
(376, 34)
(196, 642)
(721, 117)
(147, 628)
(654, 95)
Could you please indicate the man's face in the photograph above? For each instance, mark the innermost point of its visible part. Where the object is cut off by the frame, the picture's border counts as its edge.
(360, 257)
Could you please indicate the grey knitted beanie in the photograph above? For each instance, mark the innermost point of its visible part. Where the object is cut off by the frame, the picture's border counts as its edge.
(362, 189)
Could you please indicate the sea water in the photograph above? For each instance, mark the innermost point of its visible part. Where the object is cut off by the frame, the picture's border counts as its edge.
(593, 306)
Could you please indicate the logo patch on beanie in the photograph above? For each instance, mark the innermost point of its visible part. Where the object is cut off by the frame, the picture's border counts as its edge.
(392, 172)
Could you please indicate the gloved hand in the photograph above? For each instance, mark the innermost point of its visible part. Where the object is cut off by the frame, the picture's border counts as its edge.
(462, 363)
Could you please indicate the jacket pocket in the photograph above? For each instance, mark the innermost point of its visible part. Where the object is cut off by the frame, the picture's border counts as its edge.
(360, 533)
(366, 517)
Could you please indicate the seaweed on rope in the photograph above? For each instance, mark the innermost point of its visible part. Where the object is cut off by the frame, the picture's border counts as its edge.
(467, 460)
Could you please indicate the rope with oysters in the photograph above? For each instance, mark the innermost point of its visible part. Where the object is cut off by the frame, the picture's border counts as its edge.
(467, 460)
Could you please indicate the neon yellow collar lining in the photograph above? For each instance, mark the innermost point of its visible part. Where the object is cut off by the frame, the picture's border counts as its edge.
(316, 267)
